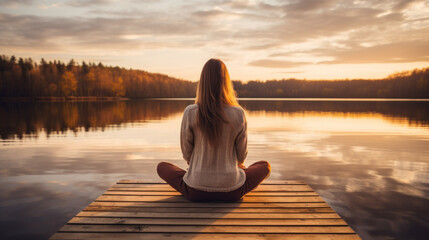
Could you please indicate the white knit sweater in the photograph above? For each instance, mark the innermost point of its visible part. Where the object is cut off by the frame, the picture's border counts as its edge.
(214, 169)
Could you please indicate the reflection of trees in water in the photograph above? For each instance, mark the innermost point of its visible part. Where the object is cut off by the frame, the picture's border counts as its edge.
(29, 119)
(19, 119)
(416, 113)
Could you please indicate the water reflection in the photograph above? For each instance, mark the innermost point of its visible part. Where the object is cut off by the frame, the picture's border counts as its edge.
(29, 119)
(368, 160)
(415, 113)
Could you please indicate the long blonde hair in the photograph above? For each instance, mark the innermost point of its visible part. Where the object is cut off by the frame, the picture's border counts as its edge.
(214, 91)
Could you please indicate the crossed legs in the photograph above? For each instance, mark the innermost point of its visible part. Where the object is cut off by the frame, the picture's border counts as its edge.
(173, 175)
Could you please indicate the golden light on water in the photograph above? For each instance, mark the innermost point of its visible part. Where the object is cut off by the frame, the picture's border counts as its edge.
(367, 123)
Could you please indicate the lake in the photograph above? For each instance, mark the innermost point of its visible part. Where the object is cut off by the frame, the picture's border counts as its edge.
(367, 158)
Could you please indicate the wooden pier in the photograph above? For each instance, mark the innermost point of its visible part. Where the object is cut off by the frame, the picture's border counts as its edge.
(133, 209)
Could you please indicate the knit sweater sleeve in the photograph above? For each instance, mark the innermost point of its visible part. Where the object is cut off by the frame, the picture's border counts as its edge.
(186, 136)
(241, 141)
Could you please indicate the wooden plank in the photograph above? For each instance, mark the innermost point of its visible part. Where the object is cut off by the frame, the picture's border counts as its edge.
(175, 193)
(207, 215)
(204, 236)
(137, 181)
(267, 182)
(207, 210)
(206, 229)
(160, 187)
(282, 182)
(211, 204)
(182, 199)
(205, 222)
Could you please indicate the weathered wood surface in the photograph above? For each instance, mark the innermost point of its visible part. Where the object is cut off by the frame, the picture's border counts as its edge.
(134, 209)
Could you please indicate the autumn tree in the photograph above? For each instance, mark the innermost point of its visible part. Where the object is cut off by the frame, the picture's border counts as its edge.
(118, 87)
(68, 83)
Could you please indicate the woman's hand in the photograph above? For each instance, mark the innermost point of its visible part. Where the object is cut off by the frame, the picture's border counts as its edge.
(241, 165)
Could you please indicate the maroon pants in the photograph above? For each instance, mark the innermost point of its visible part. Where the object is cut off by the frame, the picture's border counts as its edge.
(173, 175)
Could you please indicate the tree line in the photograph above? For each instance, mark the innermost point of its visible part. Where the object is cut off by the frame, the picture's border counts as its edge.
(25, 78)
(407, 84)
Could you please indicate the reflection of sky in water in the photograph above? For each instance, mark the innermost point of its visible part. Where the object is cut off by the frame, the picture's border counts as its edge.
(371, 169)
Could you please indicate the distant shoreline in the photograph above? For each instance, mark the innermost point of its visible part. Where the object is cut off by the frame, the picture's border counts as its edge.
(62, 99)
(25, 80)
(102, 99)
(307, 99)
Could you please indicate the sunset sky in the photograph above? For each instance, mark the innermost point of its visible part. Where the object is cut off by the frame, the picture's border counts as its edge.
(312, 39)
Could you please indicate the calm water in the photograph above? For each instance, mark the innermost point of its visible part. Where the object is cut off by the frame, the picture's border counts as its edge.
(368, 159)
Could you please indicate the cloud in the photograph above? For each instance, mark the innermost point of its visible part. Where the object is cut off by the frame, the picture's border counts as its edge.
(400, 5)
(262, 46)
(116, 13)
(318, 25)
(88, 3)
(100, 32)
(211, 13)
(15, 3)
(219, 14)
(344, 33)
(401, 52)
(308, 5)
(397, 52)
(268, 63)
(309, 20)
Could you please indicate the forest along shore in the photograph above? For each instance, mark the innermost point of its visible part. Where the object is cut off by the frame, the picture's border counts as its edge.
(61, 99)
(23, 78)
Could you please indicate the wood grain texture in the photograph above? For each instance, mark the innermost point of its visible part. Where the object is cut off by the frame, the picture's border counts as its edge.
(207, 210)
(206, 222)
(138, 209)
(204, 236)
(165, 187)
(149, 228)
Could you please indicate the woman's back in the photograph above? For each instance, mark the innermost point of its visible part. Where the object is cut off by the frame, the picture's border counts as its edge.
(214, 168)
(213, 139)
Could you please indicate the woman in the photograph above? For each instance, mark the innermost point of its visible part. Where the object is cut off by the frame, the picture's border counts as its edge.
(213, 139)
